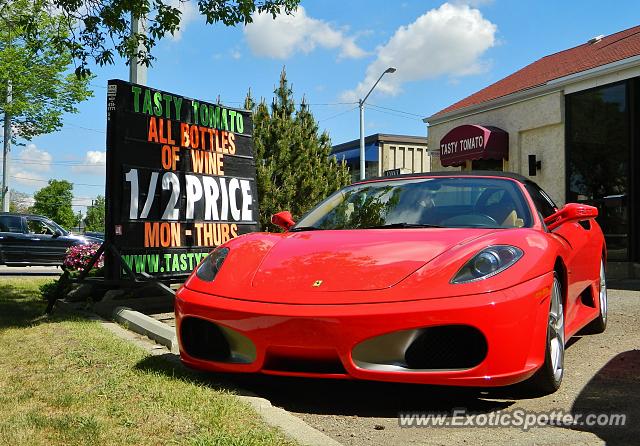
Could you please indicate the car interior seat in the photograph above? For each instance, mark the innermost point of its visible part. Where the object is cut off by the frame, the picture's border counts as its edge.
(504, 212)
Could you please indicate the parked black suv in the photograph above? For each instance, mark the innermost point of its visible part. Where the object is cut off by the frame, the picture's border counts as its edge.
(34, 240)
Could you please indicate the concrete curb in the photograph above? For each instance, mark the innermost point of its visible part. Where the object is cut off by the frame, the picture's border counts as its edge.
(291, 425)
(165, 335)
(142, 324)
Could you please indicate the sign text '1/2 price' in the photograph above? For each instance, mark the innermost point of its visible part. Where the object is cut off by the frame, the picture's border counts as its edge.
(207, 198)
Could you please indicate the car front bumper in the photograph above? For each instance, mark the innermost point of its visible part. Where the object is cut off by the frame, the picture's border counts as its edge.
(320, 340)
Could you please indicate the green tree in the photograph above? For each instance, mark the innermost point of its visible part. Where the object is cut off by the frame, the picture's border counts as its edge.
(94, 220)
(293, 162)
(97, 30)
(366, 208)
(54, 201)
(20, 202)
(42, 89)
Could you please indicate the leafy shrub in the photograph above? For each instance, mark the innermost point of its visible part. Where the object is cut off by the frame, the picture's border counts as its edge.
(49, 290)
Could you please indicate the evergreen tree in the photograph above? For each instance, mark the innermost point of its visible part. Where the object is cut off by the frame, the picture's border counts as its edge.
(293, 162)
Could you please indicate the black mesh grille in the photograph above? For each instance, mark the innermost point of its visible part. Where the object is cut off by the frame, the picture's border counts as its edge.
(303, 360)
(447, 347)
(202, 339)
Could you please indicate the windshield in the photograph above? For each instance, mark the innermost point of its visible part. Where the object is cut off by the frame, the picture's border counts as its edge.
(57, 226)
(425, 202)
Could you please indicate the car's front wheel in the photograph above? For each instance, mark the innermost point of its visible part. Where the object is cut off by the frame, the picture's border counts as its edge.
(599, 324)
(549, 377)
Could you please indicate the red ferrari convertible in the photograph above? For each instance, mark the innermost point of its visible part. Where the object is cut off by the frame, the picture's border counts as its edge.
(473, 279)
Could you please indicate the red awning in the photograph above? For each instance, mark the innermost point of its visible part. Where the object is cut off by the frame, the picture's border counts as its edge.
(473, 142)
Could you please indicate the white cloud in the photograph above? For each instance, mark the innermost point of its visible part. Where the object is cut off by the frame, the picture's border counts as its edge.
(34, 159)
(286, 35)
(349, 49)
(448, 40)
(94, 163)
(26, 178)
(235, 54)
(189, 14)
(27, 167)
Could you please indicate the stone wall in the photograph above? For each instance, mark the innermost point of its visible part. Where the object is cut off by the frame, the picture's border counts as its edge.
(535, 127)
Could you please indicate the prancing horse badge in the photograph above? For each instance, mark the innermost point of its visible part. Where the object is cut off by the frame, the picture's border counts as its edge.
(317, 283)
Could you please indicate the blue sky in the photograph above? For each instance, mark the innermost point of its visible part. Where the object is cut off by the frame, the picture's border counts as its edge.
(333, 51)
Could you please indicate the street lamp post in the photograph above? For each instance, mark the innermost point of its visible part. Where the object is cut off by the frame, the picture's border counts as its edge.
(361, 105)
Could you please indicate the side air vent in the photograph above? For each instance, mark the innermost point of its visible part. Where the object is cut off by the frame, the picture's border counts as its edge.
(202, 339)
(444, 347)
(205, 340)
(447, 347)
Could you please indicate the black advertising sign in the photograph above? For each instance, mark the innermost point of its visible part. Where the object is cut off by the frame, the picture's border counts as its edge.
(181, 179)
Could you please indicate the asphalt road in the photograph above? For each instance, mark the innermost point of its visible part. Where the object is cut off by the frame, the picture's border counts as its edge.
(602, 376)
(6, 271)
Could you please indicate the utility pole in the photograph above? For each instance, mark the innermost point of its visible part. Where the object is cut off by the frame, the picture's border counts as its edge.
(137, 72)
(6, 197)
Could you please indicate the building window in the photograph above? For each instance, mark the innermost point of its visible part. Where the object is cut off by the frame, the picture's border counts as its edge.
(371, 169)
(598, 159)
(487, 164)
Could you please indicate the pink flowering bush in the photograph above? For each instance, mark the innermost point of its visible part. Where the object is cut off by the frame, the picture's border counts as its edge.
(78, 256)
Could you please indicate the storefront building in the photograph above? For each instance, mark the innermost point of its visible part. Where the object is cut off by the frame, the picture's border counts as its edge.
(571, 122)
(385, 153)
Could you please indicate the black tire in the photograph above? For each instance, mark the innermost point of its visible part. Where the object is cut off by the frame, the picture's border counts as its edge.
(599, 324)
(549, 377)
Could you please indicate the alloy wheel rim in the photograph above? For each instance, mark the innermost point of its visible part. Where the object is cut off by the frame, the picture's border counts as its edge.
(556, 331)
(603, 293)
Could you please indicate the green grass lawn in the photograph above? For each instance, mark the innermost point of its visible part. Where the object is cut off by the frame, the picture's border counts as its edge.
(67, 381)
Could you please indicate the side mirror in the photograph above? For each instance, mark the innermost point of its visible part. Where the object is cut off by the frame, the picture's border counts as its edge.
(57, 233)
(571, 212)
(283, 219)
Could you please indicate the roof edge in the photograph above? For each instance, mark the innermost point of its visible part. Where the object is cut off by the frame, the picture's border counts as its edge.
(380, 137)
(549, 87)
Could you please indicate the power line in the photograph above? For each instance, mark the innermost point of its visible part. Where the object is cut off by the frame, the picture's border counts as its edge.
(310, 104)
(395, 114)
(336, 115)
(396, 110)
(24, 195)
(84, 128)
(306, 103)
(330, 103)
(61, 163)
(46, 181)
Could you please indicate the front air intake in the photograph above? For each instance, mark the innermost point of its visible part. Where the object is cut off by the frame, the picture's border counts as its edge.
(204, 340)
(448, 347)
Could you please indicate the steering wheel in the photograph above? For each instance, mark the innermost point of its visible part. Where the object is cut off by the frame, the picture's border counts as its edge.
(471, 220)
(481, 202)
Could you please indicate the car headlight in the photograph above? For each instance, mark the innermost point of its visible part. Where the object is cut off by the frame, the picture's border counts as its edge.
(487, 263)
(210, 266)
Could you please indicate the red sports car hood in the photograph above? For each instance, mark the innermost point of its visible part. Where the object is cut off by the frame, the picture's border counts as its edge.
(353, 260)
